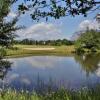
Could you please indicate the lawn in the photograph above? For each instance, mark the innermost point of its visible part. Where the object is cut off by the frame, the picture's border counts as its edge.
(22, 51)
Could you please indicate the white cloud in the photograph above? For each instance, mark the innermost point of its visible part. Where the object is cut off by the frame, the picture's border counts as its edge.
(91, 24)
(25, 80)
(12, 77)
(41, 31)
(12, 14)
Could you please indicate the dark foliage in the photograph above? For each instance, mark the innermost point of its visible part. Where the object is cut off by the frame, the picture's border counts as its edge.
(89, 40)
(44, 42)
(57, 8)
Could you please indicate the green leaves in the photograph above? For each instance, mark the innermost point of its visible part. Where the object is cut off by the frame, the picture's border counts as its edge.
(7, 28)
(57, 8)
(7, 32)
(2, 53)
(89, 40)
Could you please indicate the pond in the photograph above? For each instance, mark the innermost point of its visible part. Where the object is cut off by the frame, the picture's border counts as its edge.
(42, 72)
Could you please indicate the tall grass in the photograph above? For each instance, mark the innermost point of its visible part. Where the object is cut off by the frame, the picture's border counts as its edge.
(62, 94)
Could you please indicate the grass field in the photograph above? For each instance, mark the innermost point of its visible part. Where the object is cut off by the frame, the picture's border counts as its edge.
(21, 51)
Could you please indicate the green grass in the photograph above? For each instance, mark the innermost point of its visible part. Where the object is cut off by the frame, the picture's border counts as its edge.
(15, 95)
(83, 94)
(20, 51)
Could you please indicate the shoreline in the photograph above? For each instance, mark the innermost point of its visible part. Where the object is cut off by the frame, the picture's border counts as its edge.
(29, 55)
(33, 50)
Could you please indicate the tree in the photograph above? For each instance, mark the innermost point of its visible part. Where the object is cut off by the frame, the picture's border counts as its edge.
(5, 8)
(7, 32)
(89, 40)
(7, 28)
(58, 8)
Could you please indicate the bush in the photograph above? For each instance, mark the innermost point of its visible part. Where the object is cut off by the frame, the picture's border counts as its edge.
(93, 49)
(89, 40)
(2, 53)
(80, 50)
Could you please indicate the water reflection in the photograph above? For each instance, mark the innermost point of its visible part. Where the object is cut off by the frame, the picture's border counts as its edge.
(43, 73)
(4, 68)
(89, 63)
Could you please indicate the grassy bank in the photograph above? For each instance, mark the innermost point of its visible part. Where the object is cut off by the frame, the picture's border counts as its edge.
(84, 94)
(21, 51)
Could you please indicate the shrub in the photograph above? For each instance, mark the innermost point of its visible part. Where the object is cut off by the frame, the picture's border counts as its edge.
(80, 50)
(2, 52)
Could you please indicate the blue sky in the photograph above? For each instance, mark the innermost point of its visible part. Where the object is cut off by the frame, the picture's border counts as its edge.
(53, 29)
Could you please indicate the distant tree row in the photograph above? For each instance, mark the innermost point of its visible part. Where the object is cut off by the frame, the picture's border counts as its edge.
(58, 42)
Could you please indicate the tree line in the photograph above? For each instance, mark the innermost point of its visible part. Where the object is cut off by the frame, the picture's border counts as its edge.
(58, 42)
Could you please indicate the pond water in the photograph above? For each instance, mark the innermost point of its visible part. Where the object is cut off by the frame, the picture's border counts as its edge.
(40, 72)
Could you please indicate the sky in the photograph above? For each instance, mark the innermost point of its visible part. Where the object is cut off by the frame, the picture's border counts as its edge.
(53, 29)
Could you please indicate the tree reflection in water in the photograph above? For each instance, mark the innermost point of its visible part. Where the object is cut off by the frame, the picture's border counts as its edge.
(4, 68)
(89, 63)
